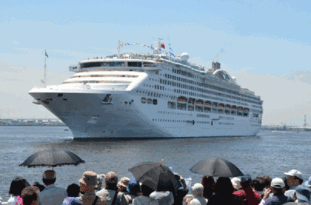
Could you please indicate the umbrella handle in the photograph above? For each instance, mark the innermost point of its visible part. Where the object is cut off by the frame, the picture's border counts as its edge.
(161, 162)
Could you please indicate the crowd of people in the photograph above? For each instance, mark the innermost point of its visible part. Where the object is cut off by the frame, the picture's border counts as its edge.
(107, 189)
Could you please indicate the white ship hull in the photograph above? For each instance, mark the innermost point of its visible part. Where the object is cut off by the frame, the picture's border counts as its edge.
(87, 117)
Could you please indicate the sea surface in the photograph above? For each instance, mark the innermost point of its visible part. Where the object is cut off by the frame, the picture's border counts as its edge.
(269, 153)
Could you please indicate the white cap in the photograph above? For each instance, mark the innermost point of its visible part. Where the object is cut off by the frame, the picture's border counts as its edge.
(294, 173)
(277, 183)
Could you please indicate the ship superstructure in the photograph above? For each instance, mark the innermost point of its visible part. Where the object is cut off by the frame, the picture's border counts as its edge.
(143, 95)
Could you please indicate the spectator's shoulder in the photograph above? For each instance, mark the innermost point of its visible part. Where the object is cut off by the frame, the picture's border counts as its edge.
(101, 192)
(237, 193)
(257, 195)
(102, 200)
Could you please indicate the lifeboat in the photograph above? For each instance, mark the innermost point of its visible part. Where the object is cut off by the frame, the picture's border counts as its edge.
(240, 109)
(233, 107)
(199, 102)
(207, 103)
(221, 106)
(246, 109)
(182, 99)
(227, 106)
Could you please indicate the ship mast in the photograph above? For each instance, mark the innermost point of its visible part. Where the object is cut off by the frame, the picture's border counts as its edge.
(119, 42)
(44, 80)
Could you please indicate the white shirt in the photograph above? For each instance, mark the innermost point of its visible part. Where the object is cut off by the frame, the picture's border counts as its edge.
(198, 201)
(163, 197)
(144, 200)
(52, 195)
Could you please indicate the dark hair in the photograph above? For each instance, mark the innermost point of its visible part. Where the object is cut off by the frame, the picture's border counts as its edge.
(133, 188)
(40, 186)
(73, 190)
(166, 186)
(29, 194)
(266, 181)
(112, 186)
(208, 183)
(49, 181)
(258, 184)
(223, 186)
(300, 180)
(146, 190)
(17, 185)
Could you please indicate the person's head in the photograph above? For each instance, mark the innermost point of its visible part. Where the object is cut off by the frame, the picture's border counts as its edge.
(246, 181)
(302, 194)
(197, 190)
(145, 189)
(111, 180)
(30, 195)
(133, 187)
(223, 186)
(285, 181)
(49, 177)
(277, 186)
(208, 181)
(293, 177)
(40, 186)
(17, 185)
(73, 190)
(88, 182)
(122, 184)
(266, 181)
(236, 183)
(257, 184)
(100, 179)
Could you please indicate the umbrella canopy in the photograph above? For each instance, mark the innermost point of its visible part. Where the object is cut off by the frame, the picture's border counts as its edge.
(216, 167)
(154, 174)
(52, 158)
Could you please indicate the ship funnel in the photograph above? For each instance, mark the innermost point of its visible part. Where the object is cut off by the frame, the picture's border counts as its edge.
(215, 65)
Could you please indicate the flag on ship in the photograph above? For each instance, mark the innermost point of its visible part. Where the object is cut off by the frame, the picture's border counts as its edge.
(46, 54)
(163, 46)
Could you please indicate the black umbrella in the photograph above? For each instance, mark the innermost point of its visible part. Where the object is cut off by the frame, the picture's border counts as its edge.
(154, 174)
(216, 167)
(52, 158)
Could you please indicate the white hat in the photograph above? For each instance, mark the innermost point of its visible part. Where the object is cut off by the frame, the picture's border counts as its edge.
(236, 183)
(294, 173)
(277, 183)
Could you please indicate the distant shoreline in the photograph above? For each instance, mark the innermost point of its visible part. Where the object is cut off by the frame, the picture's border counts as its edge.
(32, 125)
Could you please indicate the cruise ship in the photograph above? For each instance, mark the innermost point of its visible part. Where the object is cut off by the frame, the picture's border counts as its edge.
(142, 95)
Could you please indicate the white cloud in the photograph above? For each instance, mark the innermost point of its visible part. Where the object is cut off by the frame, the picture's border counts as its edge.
(16, 42)
(15, 82)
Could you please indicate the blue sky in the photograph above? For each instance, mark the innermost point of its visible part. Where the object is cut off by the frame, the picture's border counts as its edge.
(258, 37)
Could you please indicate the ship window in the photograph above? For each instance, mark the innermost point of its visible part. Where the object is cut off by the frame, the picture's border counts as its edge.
(91, 64)
(143, 100)
(181, 106)
(190, 108)
(149, 101)
(134, 64)
(171, 105)
(112, 64)
(155, 101)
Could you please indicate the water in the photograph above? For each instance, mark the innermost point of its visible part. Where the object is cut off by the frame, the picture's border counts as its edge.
(269, 153)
